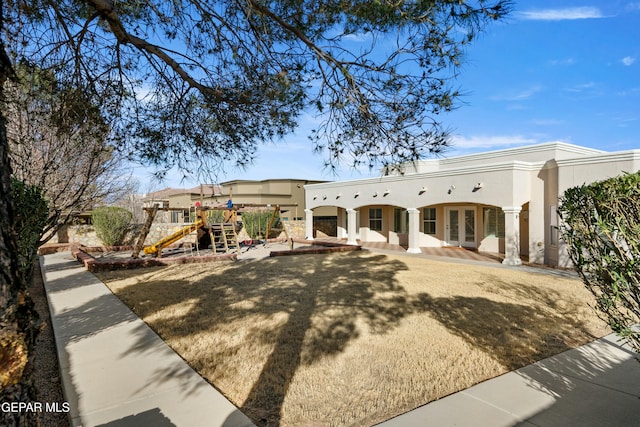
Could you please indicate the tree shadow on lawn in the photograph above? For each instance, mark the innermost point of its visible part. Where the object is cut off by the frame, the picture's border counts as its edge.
(313, 305)
(515, 335)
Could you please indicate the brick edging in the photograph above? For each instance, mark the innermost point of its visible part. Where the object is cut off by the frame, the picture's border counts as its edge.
(94, 265)
(329, 247)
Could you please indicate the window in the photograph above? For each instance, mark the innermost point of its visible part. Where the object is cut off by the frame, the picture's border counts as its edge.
(375, 219)
(429, 220)
(400, 220)
(493, 221)
(182, 216)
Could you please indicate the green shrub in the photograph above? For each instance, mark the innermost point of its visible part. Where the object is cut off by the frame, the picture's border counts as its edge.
(31, 216)
(256, 222)
(111, 224)
(601, 227)
(215, 216)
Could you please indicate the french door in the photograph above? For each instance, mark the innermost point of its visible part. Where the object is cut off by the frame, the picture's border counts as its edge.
(460, 226)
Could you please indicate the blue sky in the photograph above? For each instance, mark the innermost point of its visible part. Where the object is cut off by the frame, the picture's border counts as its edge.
(553, 71)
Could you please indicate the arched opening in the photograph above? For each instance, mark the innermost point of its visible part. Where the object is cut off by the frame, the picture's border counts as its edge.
(325, 221)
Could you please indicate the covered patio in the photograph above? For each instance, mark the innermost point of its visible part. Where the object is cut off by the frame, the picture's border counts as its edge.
(460, 253)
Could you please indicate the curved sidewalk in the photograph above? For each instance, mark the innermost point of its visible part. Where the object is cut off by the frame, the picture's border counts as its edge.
(117, 372)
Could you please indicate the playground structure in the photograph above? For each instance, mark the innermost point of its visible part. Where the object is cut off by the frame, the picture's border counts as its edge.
(221, 236)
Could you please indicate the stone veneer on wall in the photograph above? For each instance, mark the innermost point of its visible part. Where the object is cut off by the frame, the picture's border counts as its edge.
(86, 234)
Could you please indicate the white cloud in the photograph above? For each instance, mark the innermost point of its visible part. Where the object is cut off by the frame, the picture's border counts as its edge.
(581, 88)
(359, 37)
(490, 141)
(628, 60)
(547, 122)
(561, 62)
(633, 6)
(519, 96)
(570, 13)
(629, 92)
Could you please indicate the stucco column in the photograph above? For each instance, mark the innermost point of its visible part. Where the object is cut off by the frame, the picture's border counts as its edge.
(351, 227)
(342, 223)
(512, 235)
(308, 223)
(414, 231)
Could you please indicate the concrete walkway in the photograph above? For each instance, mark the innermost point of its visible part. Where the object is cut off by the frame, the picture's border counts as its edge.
(117, 372)
(592, 386)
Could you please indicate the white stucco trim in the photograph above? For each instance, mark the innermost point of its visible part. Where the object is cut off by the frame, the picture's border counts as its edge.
(414, 231)
(352, 227)
(619, 156)
(308, 223)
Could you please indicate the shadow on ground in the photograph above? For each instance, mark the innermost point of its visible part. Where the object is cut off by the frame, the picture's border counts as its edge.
(315, 305)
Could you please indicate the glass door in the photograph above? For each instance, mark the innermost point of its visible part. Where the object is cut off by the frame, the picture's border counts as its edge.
(460, 228)
(469, 227)
(453, 227)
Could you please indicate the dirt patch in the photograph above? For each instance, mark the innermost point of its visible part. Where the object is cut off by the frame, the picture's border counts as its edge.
(45, 369)
(354, 338)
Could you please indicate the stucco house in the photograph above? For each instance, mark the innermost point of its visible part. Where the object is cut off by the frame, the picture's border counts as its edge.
(499, 201)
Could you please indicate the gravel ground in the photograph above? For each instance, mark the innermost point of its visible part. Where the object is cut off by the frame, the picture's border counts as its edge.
(46, 371)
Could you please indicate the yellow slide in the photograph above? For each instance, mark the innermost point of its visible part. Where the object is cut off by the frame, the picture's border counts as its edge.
(159, 245)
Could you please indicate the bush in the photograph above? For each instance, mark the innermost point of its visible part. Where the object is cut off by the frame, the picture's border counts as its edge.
(31, 216)
(111, 224)
(256, 222)
(215, 216)
(601, 227)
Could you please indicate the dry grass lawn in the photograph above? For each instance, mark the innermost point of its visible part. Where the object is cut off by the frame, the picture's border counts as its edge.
(354, 338)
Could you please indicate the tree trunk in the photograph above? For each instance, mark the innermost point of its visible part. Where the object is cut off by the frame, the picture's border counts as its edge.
(18, 319)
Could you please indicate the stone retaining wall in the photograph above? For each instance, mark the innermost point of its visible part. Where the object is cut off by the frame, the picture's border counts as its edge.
(295, 228)
(86, 234)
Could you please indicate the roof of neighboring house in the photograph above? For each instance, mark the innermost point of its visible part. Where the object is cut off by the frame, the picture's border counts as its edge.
(262, 181)
(209, 190)
(206, 189)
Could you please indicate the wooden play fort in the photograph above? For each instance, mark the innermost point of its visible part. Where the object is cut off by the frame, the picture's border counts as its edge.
(222, 237)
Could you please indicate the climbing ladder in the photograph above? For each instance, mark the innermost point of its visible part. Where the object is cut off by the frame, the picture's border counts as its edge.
(225, 236)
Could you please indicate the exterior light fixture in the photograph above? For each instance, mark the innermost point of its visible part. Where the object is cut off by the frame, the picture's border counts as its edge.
(453, 187)
(386, 193)
(315, 197)
(338, 196)
(375, 194)
(422, 190)
(478, 186)
(324, 197)
(355, 196)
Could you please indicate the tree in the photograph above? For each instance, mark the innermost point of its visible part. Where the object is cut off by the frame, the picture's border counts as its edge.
(601, 227)
(18, 319)
(195, 82)
(61, 151)
(187, 82)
